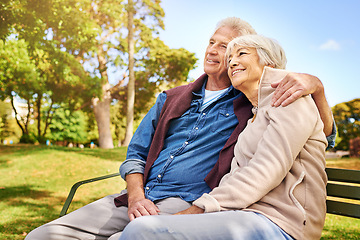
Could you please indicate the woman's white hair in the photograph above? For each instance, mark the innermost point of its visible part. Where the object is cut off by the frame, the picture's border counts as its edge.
(269, 50)
(240, 26)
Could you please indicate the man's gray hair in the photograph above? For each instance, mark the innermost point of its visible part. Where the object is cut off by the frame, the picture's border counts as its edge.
(269, 50)
(240, 26)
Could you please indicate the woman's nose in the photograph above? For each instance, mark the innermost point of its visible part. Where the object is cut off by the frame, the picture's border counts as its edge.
(233, 63)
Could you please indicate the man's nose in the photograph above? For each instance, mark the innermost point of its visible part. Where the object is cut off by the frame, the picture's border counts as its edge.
(212, 49)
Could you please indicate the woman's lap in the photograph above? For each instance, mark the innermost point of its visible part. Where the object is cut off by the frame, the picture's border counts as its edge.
(219, 225)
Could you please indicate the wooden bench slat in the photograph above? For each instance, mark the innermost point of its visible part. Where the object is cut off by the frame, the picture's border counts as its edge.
(341, 208)
(343, 175)
(343, 191)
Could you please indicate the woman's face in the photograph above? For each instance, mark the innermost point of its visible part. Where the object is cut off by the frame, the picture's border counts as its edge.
(244, 67)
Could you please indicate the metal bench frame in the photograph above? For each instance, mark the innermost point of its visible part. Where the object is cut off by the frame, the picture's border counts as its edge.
(343, 189)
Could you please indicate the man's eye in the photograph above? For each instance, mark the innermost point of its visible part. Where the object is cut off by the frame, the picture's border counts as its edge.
(242, 53)
(224, 46)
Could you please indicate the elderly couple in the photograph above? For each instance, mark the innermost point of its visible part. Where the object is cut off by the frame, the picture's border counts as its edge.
(237, 154)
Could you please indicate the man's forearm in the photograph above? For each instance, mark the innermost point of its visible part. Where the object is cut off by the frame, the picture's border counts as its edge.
(138, 204)
(135, 187)
(324, 110)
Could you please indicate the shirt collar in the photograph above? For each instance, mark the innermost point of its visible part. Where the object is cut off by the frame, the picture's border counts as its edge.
(201, 93)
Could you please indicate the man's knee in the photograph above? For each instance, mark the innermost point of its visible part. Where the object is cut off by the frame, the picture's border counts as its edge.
(39, 233)
(51, 231)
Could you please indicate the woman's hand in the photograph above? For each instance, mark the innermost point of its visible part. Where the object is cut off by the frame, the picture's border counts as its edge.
(191, 210)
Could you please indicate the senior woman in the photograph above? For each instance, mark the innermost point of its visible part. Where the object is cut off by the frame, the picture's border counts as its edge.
(276, 186)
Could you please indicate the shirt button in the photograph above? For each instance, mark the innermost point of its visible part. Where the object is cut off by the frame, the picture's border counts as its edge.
(196, 128)
(159, 176)
(186, 143)
(147, 188)
(171, 156)
(227, 114)
(204, 114)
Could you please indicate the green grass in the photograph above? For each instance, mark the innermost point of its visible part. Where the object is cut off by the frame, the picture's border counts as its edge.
(35, 181)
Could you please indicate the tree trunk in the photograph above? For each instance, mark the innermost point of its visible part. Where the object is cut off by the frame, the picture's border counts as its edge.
(102, 117)
(38, 109)
(131, 84)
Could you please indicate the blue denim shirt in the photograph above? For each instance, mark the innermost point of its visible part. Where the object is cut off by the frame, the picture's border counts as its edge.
(191, 147)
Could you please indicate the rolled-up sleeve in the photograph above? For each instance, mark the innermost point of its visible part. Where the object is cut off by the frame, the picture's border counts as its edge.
(331, 137)
(139, 146)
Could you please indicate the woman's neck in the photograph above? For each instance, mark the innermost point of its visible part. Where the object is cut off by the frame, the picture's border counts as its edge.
(251, 92)
(252, 95)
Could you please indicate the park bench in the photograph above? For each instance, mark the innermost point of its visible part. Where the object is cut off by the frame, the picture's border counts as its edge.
(343, 190)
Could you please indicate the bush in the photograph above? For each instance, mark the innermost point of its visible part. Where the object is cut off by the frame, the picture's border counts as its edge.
(28, 138)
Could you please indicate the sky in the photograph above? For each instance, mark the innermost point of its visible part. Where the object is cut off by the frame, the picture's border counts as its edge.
(320, 37)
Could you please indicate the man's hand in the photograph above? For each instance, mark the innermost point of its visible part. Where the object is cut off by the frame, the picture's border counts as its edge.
(142, 207)
(138, 205)
(191, 210)
(294, 86)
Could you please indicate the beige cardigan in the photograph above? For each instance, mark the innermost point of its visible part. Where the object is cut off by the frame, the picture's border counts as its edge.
(279, 166)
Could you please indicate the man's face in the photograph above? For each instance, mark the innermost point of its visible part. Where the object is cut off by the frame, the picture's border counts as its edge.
(214, 62)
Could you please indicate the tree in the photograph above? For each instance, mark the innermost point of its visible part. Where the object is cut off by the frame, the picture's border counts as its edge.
(113, 48)
(51, 77)
(18, 78)
(95, 34)
(5, 128)
(161, 69)
(69, 127)
(347, 118)
(131, 83)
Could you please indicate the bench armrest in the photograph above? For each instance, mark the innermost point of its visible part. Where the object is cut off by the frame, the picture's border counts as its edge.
(78, 184)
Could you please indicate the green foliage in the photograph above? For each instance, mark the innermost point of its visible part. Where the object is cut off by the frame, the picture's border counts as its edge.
(6, 128)
(347, 118)
(69, 126)
(162, 68)
(57, 52)
(17, 70)
(9, 13)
